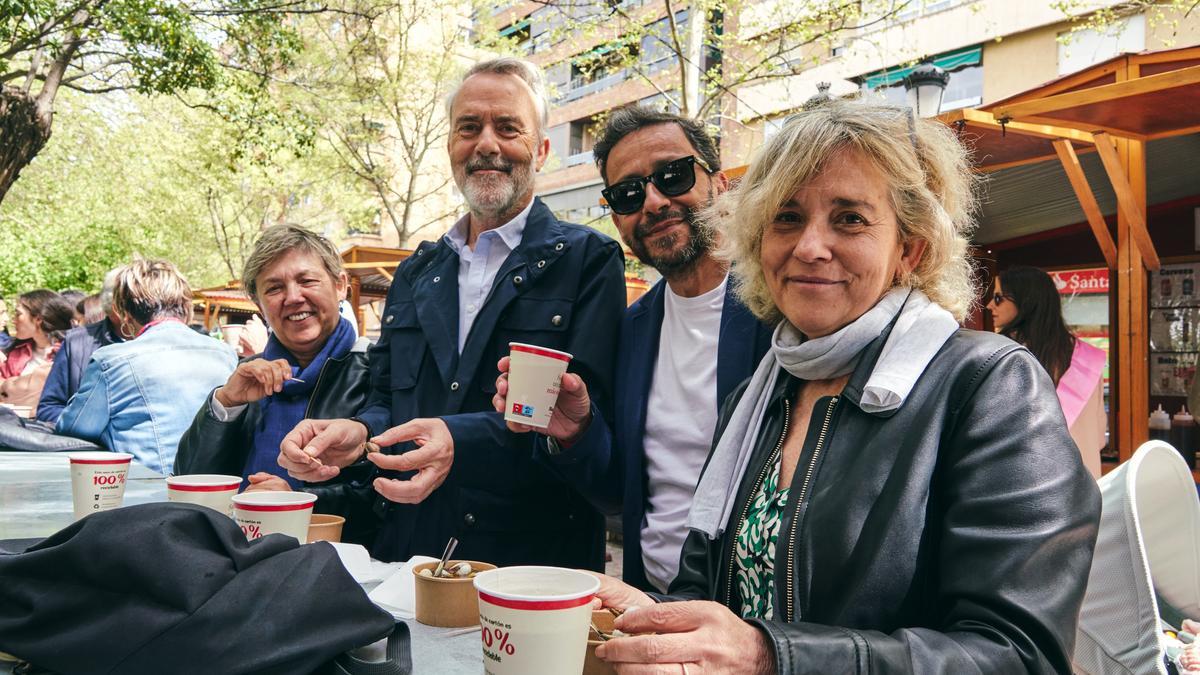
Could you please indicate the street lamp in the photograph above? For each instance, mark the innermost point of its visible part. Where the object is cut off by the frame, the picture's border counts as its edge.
(925, 86)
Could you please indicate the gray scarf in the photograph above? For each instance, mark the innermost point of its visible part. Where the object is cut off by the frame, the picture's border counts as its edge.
(920, 331)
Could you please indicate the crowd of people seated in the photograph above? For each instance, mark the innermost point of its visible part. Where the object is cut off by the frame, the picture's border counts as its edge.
(803, 439)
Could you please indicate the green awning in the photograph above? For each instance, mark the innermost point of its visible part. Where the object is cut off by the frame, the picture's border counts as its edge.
(949, 62)
(509, 30)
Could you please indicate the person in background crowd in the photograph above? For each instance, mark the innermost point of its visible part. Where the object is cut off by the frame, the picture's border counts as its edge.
(77, 347)
(41, 319)
(73, 296)
(253, 337)
(684, 345)
(507, 271)
(92, 309)
(1026, 306)
(314, 366)
(5, 338)
(889, 492)
(138, 396)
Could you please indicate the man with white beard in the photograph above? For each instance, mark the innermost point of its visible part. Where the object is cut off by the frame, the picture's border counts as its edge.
(507, 271)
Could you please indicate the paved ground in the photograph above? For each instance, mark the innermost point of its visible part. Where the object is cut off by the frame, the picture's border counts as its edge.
(613, 567)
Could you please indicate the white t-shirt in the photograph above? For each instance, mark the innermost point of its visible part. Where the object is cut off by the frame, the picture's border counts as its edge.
(681, 416)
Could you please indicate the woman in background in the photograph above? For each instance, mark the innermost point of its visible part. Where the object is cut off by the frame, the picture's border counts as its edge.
(1026, 307)
(39, 322)
(138, 396)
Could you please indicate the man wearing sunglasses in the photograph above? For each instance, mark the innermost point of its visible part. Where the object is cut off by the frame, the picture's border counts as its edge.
(684, 345)
(507, 271)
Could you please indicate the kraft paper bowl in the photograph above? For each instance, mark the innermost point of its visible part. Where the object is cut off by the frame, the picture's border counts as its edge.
(325, 527)
(447, 603)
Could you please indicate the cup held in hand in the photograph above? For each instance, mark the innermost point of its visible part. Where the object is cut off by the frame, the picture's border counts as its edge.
(534, 620)
(534, 376)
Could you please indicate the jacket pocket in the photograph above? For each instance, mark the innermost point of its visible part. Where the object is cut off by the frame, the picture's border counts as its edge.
(406, 346)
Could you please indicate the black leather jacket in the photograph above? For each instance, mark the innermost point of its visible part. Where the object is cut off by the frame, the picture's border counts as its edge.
(212, 446)
(953, 535)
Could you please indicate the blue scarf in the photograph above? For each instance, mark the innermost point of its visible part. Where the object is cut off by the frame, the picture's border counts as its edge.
(281, 412)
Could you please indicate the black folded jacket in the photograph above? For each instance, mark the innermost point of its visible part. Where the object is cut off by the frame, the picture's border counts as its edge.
(175, 588)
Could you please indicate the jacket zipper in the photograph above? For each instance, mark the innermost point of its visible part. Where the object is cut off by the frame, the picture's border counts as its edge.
(808, 474)
(320, 374)
(750, 500)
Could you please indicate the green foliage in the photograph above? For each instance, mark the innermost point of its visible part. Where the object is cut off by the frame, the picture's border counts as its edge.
(152, 177)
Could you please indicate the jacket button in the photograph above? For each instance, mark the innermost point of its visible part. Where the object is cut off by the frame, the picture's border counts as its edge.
(469, 520)
(558, 246)
(541, 264)
(518, 279)
(436, 279)
(453, 386)
(387, 319)
(556, 319)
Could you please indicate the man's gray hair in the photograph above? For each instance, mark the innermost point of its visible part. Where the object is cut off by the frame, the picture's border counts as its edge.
(278, 240)
(106, 291)
(526, 71)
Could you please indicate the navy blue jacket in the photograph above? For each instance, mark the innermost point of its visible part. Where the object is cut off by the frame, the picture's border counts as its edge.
(69, 364)
(609, 466)
(563, 287)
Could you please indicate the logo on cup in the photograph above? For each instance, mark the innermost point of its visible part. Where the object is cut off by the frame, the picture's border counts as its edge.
(522, 410)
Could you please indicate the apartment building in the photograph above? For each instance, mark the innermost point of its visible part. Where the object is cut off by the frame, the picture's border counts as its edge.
(991, 49)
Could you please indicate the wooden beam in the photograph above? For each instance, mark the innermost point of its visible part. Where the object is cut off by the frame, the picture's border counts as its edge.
(979, 118)
(1127, 202)
(1104, 92)
(355, 298)
(385, 273)
(1087, 200)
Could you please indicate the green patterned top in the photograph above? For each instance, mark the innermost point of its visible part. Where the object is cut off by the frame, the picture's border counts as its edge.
(755, 548)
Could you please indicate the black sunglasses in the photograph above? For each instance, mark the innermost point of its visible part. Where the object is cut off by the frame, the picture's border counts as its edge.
(673, 179)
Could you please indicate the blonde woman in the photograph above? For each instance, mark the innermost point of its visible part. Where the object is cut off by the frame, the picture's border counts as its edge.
(888, 493)
(139, 396)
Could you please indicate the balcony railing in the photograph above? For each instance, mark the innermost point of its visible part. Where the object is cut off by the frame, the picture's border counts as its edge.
(580, 158)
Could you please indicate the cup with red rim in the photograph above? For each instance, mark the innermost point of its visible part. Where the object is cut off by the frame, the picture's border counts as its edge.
(534, 620)
(534, 376)
(98, 480)
(272, 512)
(213, 490)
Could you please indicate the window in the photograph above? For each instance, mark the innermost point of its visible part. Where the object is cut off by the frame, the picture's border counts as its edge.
(964, 89)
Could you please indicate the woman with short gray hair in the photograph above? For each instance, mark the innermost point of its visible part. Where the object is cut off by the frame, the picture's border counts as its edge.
(314, 365)
(888, 493)
(136, 396)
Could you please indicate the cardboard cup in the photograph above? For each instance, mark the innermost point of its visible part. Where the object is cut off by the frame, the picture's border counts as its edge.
(205, 489)
(534, 375)
(325, 527)
(447, 603)
(594, 665)
(263, 513)
(98, 480)
(534, 620)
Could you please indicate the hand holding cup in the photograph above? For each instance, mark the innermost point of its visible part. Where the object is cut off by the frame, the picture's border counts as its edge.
(572, 410)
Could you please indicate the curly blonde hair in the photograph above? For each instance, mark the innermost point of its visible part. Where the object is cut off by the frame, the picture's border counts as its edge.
(930, 182)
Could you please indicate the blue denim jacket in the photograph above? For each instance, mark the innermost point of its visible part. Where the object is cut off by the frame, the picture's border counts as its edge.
(140, 396)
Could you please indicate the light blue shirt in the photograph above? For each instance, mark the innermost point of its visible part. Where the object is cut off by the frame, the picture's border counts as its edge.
(477, 269)
(140, 396)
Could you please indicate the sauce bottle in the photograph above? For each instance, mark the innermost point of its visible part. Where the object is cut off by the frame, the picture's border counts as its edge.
(1183, 435)
(1160, 425)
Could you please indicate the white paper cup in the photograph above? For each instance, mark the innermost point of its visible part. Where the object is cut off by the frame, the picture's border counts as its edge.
(205, 489)
(534, 375)
(263, 513)
(98, 480)
(230, 333)
(534, 620)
